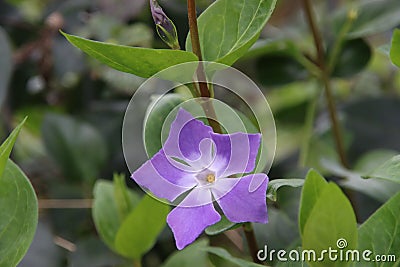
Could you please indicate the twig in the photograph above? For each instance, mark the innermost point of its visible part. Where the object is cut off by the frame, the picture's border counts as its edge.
(65, 244)
(65, 203)
(325, 78)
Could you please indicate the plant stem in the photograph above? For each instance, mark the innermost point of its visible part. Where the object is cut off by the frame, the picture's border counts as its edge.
(137, 263)
(325, 78)
(203, 87)
(209, 108)
(194, 37)
(194, 30)
(251, 241)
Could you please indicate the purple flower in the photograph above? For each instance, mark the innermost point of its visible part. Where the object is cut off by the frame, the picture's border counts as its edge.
(164, 26)
(198, 164)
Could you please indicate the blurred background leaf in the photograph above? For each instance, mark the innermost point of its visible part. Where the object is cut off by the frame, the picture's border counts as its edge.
(278, 69)
(372, 17)
(353, 58)
(92, 252)
(76, 146)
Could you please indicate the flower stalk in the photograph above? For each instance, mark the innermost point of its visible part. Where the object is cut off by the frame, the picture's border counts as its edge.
(209, 109)
(203, 87)
(194, 30)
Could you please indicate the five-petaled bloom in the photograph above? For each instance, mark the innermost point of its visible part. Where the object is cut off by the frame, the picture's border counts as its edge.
(199, 164)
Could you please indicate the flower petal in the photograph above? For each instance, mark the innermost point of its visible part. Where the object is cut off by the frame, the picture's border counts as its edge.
(187, 223)
(238, 202)
(235, 153)
(185, 136)
(163, 178)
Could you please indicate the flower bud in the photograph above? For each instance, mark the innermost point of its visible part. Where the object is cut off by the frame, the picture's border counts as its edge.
(165, 27)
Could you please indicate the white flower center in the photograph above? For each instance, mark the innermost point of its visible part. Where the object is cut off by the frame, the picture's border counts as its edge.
(206, 177)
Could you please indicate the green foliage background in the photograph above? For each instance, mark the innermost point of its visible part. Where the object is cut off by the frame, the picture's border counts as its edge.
(76, 104)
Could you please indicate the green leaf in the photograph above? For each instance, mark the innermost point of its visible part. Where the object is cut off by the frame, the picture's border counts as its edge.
(381, 233)
(157, 112)
(18, 215)
(192, 256)
(237, 54)
(222, 253)
(390, 170)
(395, 48)
(6, 64)
(143, 62)
(372, 17)
(105, 213)
(274, 185)
(292, 95)
(228, 28)
(312, 189)
(332, 219)
(121, 195)
(76, 146)
(223, 225)
(140, 229)
(7, 146)
(354, 57)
